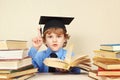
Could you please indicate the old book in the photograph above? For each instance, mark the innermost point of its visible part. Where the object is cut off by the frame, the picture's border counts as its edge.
(13, 44)
(107, 54)
(110, 47)
(104, 72)
(13, 54)
(107, 63)
(24, 77)
(107, 60)
(18, 74)
(112, 78)
(3, 71)
(94, 74)
(15, 64)
(69, 61)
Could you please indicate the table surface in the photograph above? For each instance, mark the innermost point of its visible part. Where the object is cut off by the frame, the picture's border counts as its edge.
(53, 76)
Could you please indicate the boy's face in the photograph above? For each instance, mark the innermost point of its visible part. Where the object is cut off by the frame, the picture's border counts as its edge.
(55, 41)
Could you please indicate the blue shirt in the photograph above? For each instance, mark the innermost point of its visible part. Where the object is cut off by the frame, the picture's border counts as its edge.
(38, 58)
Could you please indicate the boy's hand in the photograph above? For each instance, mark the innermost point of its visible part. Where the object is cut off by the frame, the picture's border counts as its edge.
(37, 41)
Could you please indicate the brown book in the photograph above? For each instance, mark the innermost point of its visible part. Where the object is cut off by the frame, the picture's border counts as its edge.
(17, 74)
(107, 66)
(107, 54)
(94, 74)
(13, 44)
(24, 77)
(82, 61)
(13, 54)
(15, 64)
(112, 78)
(103, 72)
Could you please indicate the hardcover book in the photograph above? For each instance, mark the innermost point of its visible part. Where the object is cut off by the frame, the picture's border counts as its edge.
(24, 77)
(107, 54)
(15, 64)
(18, 74)
(13, 44)
(104, 72)
(107, 66)
(13, 54)
(110, 47)
(6, 71)
(94, 74)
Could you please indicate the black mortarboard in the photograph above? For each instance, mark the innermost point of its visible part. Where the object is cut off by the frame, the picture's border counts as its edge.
(52, 21)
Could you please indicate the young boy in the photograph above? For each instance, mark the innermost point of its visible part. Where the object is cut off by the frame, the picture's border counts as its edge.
(55, 38)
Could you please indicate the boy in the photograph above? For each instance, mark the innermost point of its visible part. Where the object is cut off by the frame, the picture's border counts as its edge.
(55, 38)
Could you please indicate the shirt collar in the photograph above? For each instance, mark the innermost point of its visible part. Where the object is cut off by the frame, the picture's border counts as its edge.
(59, 53)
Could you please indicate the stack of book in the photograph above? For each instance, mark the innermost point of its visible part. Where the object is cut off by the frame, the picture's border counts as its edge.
(14, 60)
(107, 60)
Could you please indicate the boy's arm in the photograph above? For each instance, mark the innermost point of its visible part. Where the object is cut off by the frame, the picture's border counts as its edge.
(32, 52)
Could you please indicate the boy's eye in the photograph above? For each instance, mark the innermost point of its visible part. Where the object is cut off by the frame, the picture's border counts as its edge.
(59, 36)
(49, 36)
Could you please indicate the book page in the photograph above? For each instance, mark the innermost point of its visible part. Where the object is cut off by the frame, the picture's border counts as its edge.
(55, 62)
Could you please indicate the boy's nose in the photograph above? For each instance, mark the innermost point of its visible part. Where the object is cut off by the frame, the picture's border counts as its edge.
(54, 39)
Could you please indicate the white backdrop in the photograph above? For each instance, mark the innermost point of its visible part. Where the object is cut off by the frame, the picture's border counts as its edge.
(96, 21)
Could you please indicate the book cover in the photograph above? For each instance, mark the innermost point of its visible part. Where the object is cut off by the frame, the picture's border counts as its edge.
(13, 54)
(15, 64)
(13, 44)
(110, 47)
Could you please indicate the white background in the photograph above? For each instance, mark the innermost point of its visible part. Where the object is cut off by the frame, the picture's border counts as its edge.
(96, 21)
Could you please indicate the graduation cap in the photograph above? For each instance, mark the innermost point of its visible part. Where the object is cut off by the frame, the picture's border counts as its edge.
(53, 22)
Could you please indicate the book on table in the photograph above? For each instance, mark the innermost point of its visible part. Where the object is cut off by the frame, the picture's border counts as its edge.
(104, 72)
(94, 74)
(13, 54)
(82, 61)
(24, 77)
(18, 74)
(8, 71)
(13, 44)
(107, 54)
(110, 47)
(107, 63)
(15, 64)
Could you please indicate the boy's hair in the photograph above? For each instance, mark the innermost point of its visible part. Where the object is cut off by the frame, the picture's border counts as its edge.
(57, 31)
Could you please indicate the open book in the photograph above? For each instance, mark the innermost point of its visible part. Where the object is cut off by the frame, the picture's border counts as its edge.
(82, 61)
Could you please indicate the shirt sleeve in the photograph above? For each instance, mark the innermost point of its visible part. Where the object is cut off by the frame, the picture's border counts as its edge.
(32, 52)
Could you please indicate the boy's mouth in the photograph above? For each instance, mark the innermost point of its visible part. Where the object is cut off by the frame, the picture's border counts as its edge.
(54, 45)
